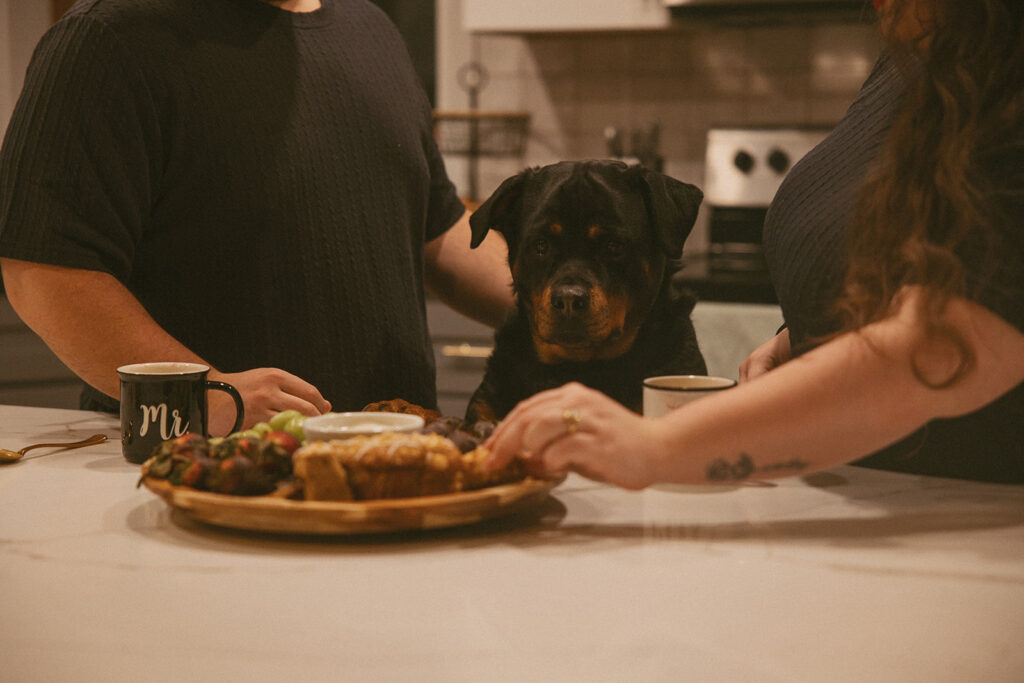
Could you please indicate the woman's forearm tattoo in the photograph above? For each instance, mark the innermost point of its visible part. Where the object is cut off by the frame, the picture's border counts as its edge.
(720, 470)
(723, 470)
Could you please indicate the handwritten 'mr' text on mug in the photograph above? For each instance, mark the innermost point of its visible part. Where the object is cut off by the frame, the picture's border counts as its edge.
(158, 414)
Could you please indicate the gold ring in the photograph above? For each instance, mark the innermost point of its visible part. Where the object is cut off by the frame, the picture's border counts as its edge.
(571, 418)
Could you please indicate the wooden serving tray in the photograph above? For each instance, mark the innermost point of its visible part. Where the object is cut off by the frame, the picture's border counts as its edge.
(279, 515)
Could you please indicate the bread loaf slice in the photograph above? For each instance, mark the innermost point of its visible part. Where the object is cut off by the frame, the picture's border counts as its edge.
(393, 465)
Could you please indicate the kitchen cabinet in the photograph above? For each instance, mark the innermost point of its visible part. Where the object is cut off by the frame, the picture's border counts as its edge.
(461, 349)
(30, 375)
(529, 16)
(582, 15)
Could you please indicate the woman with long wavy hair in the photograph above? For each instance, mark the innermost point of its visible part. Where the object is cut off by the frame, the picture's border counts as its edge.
(897, 250)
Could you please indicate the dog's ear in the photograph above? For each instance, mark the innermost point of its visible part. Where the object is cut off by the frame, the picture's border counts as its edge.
(672, 206)
(500, 211)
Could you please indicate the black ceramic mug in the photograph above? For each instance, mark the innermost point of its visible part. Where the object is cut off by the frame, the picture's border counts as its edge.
(161, 401)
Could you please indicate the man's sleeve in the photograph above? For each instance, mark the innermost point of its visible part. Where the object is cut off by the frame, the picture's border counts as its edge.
(76, 167)
(445, 206)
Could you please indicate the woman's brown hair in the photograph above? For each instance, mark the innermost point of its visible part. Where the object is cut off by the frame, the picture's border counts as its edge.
(935, 192)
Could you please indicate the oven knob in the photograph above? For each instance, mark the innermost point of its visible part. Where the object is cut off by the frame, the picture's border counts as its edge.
(779, 161)
(743, 161)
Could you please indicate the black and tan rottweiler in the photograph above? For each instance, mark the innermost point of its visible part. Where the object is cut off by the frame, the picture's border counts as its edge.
(592, 247)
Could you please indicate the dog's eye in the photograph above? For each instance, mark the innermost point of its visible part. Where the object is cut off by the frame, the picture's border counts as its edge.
(614, 247)
(540, 247)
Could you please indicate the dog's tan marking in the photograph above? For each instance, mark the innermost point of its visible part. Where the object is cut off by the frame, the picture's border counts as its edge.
(555, 228)
(595, 231)
(550, 354)
(607, 315)
(482, 410)
(619, 309)
(602, 320)
(542, 316)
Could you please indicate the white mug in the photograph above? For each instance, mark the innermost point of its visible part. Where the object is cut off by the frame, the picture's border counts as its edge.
(668, 392)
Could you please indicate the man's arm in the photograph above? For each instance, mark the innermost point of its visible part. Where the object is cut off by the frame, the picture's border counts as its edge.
(94, 325)
(475, 282)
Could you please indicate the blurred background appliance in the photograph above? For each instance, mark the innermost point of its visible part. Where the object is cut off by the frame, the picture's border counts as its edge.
(743, 169)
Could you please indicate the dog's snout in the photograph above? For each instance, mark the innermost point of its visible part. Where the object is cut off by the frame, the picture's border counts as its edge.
(570, 299)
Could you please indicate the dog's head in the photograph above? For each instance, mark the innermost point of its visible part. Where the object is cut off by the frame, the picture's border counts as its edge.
(588, 244)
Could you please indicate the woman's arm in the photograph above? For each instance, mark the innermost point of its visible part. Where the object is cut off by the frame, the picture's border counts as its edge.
(94, 325)
(475, 282)
(846, 399)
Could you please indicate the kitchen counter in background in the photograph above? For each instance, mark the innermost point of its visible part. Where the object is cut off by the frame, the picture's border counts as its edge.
(709, 283)
(850, 575)
(31, 375)
(727, 331)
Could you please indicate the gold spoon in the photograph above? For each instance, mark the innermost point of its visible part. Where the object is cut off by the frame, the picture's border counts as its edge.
(14, 456)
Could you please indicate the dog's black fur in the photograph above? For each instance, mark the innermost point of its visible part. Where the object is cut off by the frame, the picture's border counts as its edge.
(592, 247)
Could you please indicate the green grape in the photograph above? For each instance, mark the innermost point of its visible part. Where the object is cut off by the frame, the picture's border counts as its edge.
(279, 421)
(294, 427)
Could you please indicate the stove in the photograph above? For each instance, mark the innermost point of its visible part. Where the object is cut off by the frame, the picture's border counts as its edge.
(743, 169)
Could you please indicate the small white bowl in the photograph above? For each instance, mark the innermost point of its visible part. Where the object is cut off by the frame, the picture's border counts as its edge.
(343, 425)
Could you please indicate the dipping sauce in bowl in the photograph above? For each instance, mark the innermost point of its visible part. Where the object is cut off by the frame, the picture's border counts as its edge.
(344, 425)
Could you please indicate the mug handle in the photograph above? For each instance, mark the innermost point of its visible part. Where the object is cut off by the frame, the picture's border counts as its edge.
(235, 396)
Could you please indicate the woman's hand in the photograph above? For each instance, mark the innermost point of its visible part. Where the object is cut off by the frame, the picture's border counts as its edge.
(582, 430)
(265, 392)
(767, 356)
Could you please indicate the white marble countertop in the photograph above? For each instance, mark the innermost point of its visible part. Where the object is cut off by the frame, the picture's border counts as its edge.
(851, 575)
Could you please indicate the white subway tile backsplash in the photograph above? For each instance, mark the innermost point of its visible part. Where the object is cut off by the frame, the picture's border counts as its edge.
(552, 55)
(826, 111)
(502, 55)
(503, 92)
(687, 80)
(784, 48)
(840, 60)
(553, 104)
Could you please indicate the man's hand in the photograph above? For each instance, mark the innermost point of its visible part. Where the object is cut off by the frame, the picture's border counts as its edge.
(265, 392)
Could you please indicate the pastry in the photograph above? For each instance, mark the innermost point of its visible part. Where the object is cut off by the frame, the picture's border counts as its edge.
(390, 465)
(400, 405)
(393, 465)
